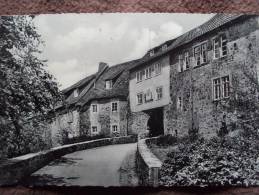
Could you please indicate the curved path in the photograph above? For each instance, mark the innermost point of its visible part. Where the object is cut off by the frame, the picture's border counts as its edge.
(94, 167)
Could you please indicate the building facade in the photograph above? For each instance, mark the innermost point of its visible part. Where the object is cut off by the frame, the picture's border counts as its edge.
(210, 67)
(96, 105)
(149, 93)
(187, 83)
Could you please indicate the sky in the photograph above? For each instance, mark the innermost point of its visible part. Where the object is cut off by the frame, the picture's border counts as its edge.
(74, 44)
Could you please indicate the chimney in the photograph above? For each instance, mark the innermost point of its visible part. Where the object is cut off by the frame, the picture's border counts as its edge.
(102, 65)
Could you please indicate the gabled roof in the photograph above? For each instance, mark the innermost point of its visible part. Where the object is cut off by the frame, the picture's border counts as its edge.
(120, 86)
(78, 84)
(212, 24)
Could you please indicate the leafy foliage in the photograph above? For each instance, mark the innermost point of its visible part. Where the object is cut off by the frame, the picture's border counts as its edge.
(27, 90)
(166, 140)
(228, 161)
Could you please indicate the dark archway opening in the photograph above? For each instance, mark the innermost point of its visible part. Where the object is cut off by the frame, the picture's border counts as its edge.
(155, 122)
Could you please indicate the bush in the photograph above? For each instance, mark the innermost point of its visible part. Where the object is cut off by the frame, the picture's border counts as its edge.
(34, 137)
(214, 162)
(166, 140)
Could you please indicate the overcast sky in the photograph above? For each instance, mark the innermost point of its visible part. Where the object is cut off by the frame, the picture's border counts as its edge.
(76, 43)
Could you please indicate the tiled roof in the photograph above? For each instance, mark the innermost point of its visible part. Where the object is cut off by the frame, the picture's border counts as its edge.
(120, 87)
(212, 24)
(78, 84)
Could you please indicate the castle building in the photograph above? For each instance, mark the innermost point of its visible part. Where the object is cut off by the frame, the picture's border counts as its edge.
(96, 105)
(208, 68)
(186, 83)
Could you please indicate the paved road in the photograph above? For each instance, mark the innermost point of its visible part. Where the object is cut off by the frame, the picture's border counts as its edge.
(93, 167)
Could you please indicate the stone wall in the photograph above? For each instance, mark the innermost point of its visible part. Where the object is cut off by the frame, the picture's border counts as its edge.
(196, 83)
(13, 170)
(104, 118)
(138, 122)
(148, 165)
(85, 124)
(65, 122)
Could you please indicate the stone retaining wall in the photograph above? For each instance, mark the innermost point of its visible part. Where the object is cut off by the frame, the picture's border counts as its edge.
(13, 170)
(148, 165)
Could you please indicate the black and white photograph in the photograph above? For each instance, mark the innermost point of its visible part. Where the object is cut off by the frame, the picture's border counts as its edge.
(129, 99)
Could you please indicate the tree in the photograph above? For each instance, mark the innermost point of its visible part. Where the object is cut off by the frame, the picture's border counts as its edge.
(27, 90)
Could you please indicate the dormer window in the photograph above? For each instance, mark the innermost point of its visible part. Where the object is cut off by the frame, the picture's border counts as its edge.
(164, 47)
(108, 84)
(151, 53)
(76, 93)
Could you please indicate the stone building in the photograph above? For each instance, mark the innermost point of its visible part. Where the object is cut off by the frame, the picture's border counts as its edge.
(210, 66)
(149, 90)
(187, 83)
(96, 105)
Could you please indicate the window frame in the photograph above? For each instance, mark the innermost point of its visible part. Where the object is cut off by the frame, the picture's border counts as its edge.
(180, 63)
(117, 106)
(186, 56)
(151, 53)
(70, 117)
(110, 84)
(164, 47)
(157, 94)
(115, 125)
(142, 98)
(221, 85)
(149, 72)
(93, 110)
(226, 42)
(225, 85)
(94, 132)
(76, 92)
(219, 39)
(145, 96)
(139, 75)
(158, 66)
(180, 103)
(201, 51)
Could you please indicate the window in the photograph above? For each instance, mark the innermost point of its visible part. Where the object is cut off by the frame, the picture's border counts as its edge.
(114, 128)
(186, 60)
(114, 106)
(94, 129)
(180, 68)
(216, 88)
(225, 87)
(149, 71)
(108, 84)
(223, 45)
(220, 46)
(158, 69)
(140, 98)
(70, 117)
(139, 76)
(94, 107)
(221, 88)
(216, 48)
(164, 47)
(148, 96)
(76, 93)
(179, 103)
(151, 53)
(159, 92)
(200, 54)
